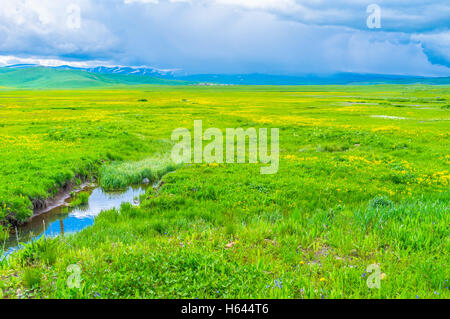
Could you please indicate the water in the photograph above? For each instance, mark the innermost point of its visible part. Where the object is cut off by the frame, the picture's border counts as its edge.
(64, 220)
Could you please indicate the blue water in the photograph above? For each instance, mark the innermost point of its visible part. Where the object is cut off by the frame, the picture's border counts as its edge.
(65, 221)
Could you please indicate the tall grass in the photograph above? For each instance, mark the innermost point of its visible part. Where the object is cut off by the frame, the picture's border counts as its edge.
(43, 250)
(121, 174)
(80, 199)
(4, 234)
(414, 224)
(32, 277)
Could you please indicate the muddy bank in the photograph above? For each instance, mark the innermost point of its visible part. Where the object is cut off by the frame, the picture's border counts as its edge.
(65, 219)
(41, 206)
(60, 198)
(54, 216)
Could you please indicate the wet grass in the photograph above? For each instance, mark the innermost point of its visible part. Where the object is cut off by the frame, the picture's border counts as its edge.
(82, 198)
(352, 190)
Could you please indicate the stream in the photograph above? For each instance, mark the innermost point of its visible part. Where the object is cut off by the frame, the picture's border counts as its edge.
(66, 220)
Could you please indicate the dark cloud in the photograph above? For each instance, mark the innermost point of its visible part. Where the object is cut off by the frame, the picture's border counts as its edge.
(231, 36)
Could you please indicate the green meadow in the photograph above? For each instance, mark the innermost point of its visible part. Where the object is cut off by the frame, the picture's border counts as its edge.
(363, 180)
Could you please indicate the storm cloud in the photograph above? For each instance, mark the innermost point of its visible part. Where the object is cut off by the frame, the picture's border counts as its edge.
(230, 36)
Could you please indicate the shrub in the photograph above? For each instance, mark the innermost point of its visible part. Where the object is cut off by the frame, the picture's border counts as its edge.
(332, 148)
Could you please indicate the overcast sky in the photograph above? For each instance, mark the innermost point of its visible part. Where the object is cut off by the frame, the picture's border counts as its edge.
(230, 36)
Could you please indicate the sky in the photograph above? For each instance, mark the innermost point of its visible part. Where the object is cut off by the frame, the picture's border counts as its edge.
(286, 37)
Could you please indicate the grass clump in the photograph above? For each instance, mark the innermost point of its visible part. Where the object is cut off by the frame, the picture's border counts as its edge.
(122, 174)
(15, 210)
(32, 277)
(81, 199)
(331, 148)
(380, 202)
(43, 250)
(4, 234)
(412, 225)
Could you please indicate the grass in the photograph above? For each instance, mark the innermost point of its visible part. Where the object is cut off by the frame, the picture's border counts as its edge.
(352, 190)
(122, 174)
(31, 277)
(81, 198)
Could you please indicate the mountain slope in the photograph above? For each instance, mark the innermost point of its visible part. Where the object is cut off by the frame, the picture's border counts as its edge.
(123, 70)
(66, 77)
(43, 78)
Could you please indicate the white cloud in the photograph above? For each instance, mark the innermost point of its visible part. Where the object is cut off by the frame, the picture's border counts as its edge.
(6, 60)
(140, 1)
(282, 5)
(40, 27)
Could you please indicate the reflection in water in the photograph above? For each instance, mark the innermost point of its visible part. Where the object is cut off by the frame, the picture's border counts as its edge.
(61, 226)
(64, 220)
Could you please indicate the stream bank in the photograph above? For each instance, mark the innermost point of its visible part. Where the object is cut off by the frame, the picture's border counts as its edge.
(60, 218)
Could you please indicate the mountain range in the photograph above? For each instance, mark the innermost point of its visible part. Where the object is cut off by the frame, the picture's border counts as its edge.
(38, 77)
(31, 76)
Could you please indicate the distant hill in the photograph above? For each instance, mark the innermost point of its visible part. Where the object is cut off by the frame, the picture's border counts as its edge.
(268, 79)
(62, 77)
(124, 70)
(340, 78)
(36, 77)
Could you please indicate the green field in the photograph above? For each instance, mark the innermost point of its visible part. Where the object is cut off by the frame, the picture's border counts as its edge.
(363, 179)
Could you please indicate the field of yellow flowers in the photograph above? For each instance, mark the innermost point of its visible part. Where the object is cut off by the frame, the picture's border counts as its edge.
(363, 180)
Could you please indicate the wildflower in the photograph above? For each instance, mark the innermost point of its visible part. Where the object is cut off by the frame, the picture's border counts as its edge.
(279, 283)
(322, 279)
